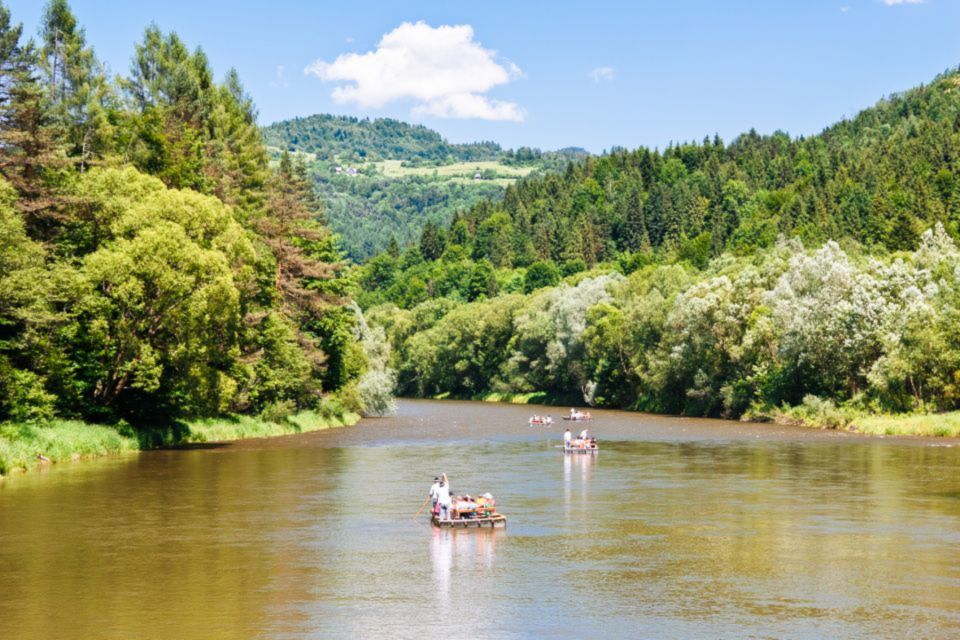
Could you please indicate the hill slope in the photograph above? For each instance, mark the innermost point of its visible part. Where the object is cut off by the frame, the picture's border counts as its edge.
(384, 179)
(880, 178)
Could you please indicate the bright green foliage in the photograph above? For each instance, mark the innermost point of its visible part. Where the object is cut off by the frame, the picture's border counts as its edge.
(746, 335)
(189, 131)
(462, 352)
(540, 274)
(152, 266)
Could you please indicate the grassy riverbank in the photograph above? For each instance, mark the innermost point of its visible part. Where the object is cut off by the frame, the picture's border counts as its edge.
(63, 440)
(823, 414)
(60, 440)
(243, 427)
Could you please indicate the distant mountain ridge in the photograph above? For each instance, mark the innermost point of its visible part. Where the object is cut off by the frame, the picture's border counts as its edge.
(350, 139)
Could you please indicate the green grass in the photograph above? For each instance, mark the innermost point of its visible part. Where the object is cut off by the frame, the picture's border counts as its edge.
(824, 414)
(458, 171)
(59, 441)
(63, 440)
(242, 427)
(931, 424)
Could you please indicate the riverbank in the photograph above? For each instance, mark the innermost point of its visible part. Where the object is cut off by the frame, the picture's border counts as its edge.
(824, 414)
(933, 425)
(813, 413)
(26, 446)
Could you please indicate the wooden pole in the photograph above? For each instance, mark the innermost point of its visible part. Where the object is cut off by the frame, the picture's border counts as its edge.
(421, 507)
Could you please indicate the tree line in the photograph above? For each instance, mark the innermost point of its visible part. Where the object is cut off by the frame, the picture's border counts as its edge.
(153, 263)
(707, 279)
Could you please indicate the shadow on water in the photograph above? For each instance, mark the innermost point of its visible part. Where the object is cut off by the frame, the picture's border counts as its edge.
(156, 435)
(189, 446)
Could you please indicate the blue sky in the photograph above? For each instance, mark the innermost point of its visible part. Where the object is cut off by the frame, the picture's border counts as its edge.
(592, 74)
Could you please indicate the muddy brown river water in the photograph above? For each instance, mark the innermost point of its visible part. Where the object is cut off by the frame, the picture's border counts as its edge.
(678, 528)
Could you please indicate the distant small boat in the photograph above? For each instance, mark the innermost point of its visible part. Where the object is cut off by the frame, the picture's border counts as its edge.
(593, 449)
(493, 521)
(579, 418)
(545, 421)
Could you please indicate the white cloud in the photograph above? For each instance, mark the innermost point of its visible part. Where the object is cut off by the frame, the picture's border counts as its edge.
(443, 69)
(891, 3)
(602, 73)
(845, 9)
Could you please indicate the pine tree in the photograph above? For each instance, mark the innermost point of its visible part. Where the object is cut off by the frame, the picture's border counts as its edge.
(393, 249)
(634, 220)
(289, 227)
(432, 241)
(236, 158)
(79, 94)
(28, 152)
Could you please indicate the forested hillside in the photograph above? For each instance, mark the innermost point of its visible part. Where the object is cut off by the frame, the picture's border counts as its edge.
(384, 180)
(880, 178)
(710, 279)
(352, 140)
(153, 266)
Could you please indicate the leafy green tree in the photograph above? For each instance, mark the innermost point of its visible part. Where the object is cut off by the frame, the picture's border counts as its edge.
(540, 274)
(483, 281)
(494, 240)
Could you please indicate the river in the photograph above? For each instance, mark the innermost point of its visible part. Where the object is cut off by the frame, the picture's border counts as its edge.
(678, 528)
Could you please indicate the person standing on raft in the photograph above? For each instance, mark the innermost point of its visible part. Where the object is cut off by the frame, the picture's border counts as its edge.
(434, 494)
(443, 499)
(567, 436)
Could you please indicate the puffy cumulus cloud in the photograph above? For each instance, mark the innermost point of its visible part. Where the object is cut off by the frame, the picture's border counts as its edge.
(443, 69)
(601, 73)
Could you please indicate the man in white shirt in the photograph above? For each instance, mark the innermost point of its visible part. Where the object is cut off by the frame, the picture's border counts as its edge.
(434, 492)
(583, 434)
(567, 436)
(443, 499)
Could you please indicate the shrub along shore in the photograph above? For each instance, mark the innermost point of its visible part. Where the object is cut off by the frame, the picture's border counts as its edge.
(21, 445)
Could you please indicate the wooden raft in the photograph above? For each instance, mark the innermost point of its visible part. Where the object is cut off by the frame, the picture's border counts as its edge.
(581, 450)
(493, 521)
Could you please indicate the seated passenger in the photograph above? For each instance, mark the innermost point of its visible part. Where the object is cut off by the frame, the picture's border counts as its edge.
(489, 505)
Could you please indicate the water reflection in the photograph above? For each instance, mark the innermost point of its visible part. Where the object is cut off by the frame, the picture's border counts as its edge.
(460, 556)
(577, 468)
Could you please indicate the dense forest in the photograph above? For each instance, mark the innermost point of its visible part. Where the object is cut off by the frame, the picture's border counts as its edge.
(154, 264)
(358, 140)
(369, 212)
(708, 279)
